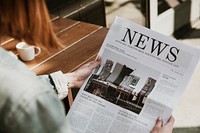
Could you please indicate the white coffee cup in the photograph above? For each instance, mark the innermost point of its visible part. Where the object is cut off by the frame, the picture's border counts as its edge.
(27, 52)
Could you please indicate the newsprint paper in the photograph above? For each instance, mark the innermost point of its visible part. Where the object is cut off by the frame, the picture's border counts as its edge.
(142, 76)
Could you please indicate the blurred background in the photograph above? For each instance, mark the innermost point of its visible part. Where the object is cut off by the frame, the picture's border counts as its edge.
(178, 19)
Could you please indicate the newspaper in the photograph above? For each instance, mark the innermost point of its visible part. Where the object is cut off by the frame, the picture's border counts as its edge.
(142, 76)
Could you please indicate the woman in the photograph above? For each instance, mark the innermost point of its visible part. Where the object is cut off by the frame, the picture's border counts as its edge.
(28, 103)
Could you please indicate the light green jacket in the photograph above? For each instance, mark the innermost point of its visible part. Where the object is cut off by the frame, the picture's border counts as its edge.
(28, 104)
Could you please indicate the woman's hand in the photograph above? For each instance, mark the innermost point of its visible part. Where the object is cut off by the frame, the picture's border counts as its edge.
(160, 128)
(77, 77)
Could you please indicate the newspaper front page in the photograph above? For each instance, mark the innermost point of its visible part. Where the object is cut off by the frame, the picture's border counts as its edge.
(142, 76)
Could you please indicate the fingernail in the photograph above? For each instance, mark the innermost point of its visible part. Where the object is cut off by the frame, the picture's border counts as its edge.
(98, 58)
(159, 118)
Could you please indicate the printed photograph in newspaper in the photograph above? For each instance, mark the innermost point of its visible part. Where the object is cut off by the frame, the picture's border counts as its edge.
(125, 85)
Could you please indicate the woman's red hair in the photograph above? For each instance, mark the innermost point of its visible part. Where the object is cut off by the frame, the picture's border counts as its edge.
(27, 20)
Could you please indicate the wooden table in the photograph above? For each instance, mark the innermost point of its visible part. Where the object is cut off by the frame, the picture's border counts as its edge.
(81, 44)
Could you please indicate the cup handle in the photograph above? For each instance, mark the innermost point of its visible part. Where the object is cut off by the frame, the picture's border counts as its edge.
(38, 50)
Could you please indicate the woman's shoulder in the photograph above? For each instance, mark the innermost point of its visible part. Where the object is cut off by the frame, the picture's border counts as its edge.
(24, 98)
